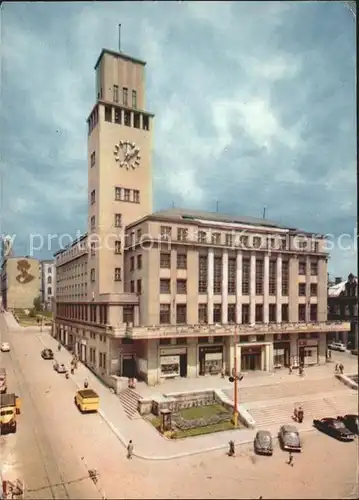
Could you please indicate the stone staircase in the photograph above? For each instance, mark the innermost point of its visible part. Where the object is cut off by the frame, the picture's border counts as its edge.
(129, 399)
(320, 407)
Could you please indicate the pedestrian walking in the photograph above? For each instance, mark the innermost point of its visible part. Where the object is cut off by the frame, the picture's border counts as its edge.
(341, 368)
(232, 450)
(336, 369)
(129, 449)
(290, 459)
(86, 383)
(290, 369)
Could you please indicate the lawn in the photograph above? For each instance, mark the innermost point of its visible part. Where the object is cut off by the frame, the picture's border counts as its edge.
(27, 320)
(194, 414)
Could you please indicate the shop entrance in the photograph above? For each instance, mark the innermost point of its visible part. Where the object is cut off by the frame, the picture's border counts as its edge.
(183, 365)
(128, 367)
(251, 359)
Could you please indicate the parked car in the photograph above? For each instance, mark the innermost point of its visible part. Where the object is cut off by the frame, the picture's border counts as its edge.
(289, 439)
(263, 444)
(47, 354)
(337, 346)
(351, 422)
(60, 368)
(354, 351)
(335, 428)
(5, 347)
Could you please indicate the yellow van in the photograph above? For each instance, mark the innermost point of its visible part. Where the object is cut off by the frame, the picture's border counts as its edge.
(8, 413)
(87, 401)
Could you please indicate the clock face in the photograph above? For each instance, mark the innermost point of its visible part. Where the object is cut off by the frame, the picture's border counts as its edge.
(127, 154)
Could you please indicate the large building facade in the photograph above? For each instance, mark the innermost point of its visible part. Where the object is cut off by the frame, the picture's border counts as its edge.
(48, 282)
(173, 293)
(20, 282)
(343, 306)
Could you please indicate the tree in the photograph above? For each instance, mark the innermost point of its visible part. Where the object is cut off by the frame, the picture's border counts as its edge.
(37, 303)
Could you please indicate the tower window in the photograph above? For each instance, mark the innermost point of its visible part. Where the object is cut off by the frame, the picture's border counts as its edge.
(118, 116)
(127, 118)
(108, 114)
(118, 192)
(134, 99)
(136, 120)
(93, 197)
(115, 93)
(117, 274)
(125, 96)
(136, 196)
(117, 247)
(93, 223)
(146, 123)
(118, 220)
(93, 159)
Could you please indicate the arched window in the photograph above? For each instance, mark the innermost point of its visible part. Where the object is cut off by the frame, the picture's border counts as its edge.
(49, 290)
(49, 279)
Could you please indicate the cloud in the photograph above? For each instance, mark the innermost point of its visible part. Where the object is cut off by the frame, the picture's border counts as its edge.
(254, 104)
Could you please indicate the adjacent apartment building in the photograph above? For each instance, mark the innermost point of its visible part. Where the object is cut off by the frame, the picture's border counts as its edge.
(175, 292)
(20, 282)
(343, 306)
(48, 282)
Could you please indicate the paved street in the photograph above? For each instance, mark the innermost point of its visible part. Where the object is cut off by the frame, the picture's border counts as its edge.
(51, 430)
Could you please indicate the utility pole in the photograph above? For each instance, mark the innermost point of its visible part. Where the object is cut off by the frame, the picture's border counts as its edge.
(235, 385)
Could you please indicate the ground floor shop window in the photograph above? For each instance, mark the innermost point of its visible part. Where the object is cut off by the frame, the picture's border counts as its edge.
(170, 366)
(210, 360)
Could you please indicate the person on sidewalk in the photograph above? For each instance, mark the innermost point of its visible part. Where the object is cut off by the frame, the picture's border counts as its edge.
(86, 383)
(232, 450)
(129, 449)
(290, 460)
(290, 369)
(341, 368)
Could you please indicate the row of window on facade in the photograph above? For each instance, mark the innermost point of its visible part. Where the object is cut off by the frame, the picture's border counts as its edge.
(126, 117)
(121, 194)
(71, 271)
(181, 286)
(117, 222)
(117, 274)
(92, 313)
(116, 96)
(181, 313)
(216, 238)
(165, 263)
(342, 310)
(219, 339)
(119, 116)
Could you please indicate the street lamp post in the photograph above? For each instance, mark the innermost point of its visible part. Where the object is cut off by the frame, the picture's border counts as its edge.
(235, 384)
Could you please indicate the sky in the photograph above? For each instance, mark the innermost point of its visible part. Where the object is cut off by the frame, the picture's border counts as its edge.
(254, 103)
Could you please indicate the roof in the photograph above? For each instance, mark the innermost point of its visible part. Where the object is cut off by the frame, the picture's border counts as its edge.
(8, 400)
(81, 238)
(215, 218)
(120, 55)
(339, 288)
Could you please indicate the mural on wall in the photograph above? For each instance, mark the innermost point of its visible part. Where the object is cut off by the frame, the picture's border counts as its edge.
(24, 277)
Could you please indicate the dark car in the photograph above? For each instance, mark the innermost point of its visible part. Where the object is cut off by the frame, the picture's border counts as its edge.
(263, 444)
(354, 351)
(335, 428)
(47, 354)
(289, 438)
(351, 422)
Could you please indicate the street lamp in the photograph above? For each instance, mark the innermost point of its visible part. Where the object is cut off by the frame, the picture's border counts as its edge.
(235, 378)
(235, 385)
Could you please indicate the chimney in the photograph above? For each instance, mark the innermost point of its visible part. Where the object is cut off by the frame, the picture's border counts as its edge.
(338, 280)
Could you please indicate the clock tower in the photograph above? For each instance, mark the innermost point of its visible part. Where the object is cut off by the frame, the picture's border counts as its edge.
(119, 167)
